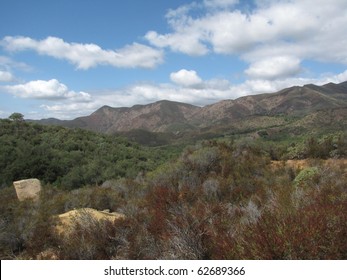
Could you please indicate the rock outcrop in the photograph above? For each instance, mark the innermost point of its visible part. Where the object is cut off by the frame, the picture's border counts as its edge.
(67, 220)
(27, 189)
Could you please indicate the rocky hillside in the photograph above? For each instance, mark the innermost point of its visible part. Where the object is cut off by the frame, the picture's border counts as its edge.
(158, 116)
(169, 116)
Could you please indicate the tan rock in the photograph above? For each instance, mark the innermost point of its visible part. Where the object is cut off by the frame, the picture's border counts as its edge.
(66, 220)
(27, 189)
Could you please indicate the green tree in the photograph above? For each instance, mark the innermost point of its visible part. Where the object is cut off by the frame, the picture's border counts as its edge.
(16, 117)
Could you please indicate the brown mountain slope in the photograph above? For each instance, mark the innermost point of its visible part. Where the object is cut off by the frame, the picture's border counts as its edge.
(291, 101)
(157, 117)
(169, 116)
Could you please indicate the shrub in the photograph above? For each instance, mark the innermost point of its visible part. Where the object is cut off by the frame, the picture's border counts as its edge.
(306, 177)
(315, 230)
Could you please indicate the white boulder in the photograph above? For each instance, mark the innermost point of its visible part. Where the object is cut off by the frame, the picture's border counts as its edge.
(27, 189)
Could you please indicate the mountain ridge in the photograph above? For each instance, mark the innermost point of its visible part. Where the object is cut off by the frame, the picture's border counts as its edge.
(175, 117)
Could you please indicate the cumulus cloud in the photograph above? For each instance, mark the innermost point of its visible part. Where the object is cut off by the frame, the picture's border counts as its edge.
(186, 36)
(232, 30)
(85, 56)
(47, 90)
(271, 33)
(274, 68)
(186, 78)
(6, 76)
(184, 42)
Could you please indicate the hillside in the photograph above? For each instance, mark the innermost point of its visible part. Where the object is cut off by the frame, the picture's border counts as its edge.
(180, 119)
(69, 158)
(291, 101)
(156, 117)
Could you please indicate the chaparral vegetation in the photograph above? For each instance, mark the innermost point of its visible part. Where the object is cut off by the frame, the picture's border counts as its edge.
(235, 197)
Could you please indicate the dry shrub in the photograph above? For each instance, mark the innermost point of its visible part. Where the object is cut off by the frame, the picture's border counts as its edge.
(316, 230)
(187, 233)
(89, 239)
(142, 243)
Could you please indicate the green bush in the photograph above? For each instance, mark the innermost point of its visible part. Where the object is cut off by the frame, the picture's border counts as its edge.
(306, 177)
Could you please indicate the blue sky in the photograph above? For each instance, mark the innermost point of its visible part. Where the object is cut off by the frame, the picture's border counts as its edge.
(68, 58)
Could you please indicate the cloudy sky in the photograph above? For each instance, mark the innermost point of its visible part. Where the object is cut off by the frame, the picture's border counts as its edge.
(64, 58)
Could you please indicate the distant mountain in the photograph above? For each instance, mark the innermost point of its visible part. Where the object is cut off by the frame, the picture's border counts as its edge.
(175, 117)
(156, 117)
(50, 121)
(291, 101)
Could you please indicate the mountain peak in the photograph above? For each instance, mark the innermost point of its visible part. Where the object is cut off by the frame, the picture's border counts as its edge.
(166, 115)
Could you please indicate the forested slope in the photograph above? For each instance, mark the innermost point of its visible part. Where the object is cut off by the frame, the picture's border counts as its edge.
(69, 158)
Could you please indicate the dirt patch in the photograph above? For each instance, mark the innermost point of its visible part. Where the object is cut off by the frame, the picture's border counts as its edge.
(66, 220)
(301, 164)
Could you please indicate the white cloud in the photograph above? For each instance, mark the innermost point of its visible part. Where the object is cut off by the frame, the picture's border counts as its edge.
(184, 42)
(256, 86)
(296, 30)
(186, 78)
(342, 77)
(186, 36)
(7, 63)
(220, 3)
(70, 110)
(274, 68)
(47, 90)
(85, 56)
(6, 76)
(8, 67)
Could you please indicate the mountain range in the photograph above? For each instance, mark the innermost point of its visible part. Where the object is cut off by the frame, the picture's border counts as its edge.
(298, 105)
